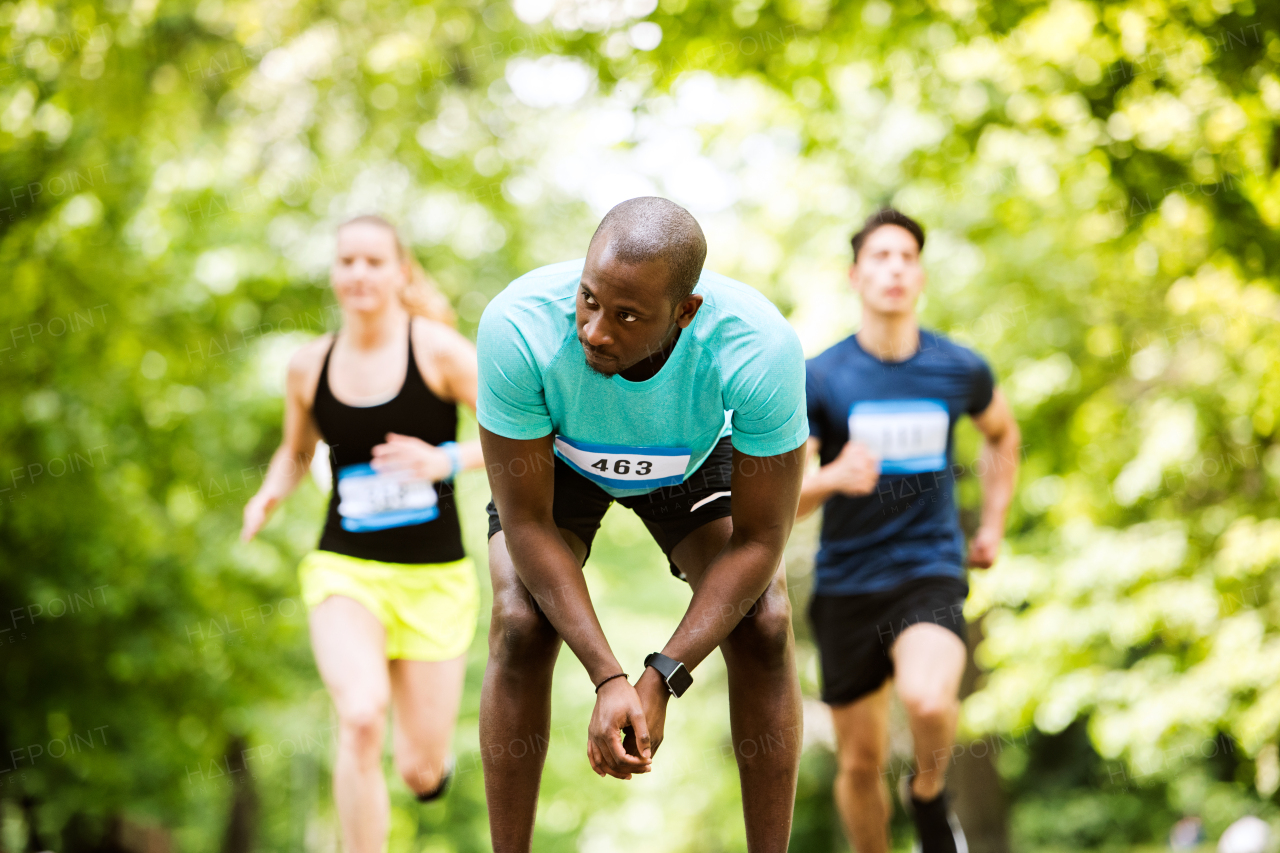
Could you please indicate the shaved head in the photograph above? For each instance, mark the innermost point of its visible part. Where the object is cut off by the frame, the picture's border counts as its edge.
(648, 229)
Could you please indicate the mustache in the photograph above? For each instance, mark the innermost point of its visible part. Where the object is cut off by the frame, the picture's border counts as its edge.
(599, 353)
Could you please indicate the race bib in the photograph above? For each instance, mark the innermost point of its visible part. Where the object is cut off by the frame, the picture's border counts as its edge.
(909, 436)
(623, 467)
(368, 500)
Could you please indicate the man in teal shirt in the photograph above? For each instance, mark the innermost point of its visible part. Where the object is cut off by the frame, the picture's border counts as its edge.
(635, 376)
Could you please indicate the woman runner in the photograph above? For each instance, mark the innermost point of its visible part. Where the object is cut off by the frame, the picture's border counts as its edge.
(392, 596)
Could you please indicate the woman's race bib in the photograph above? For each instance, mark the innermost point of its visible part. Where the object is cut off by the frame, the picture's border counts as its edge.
(372, 501)
(909, 436)
(623, 467)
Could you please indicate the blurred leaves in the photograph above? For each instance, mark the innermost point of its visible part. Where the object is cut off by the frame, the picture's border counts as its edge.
(1098, 181)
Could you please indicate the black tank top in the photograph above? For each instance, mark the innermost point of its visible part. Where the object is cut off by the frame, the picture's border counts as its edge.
(392, 534)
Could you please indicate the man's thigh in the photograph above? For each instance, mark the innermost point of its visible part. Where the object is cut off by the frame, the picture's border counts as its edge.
(852, 645)
(696, 551)
(508, 589)
(928, 662)
(577, 507)
(862, 731)
(694, 555)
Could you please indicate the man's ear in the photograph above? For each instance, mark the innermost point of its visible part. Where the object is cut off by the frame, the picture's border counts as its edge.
(687, 309)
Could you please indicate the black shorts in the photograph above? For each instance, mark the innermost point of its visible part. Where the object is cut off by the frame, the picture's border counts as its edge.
(671, 513)
(854, 633)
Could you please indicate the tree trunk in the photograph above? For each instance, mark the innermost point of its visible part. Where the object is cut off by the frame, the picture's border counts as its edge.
(242, 822)
(974, 784)
(34, 844)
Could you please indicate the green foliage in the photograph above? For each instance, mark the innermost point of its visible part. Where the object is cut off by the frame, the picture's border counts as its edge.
(1098, 181)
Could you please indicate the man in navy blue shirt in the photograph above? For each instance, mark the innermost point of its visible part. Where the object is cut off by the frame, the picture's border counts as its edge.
(889, 596)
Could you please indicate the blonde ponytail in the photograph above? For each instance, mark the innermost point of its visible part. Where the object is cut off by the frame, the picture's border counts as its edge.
(420, 295)
(422, 298)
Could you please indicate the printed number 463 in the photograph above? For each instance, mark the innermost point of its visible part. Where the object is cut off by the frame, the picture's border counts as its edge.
(623, 466)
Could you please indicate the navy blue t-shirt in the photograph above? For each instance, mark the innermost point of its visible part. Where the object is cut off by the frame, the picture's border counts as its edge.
(906, 413)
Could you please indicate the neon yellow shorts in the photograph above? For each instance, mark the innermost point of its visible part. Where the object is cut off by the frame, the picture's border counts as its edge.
(428, 609)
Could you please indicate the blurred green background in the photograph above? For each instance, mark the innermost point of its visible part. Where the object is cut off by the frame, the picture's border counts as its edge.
(1100, 191)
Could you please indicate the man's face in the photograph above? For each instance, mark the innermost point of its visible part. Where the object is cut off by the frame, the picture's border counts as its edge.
(624, 314)
(887, 274)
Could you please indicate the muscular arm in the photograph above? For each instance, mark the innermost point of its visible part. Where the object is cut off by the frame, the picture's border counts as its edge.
(522, 479)
(521, 476)
(997, 470)
(765, 493)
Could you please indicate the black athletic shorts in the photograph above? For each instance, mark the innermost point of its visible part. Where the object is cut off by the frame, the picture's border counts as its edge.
(671, 513)
(855, 632)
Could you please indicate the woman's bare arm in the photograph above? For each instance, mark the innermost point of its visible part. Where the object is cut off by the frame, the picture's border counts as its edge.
(292, 460)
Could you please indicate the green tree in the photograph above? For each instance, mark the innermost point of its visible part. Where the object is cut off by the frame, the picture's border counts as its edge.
(1099, 184)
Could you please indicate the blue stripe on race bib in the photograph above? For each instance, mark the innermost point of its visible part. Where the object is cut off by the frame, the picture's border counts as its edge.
(369, 500)
(622, 467)
(909, 436)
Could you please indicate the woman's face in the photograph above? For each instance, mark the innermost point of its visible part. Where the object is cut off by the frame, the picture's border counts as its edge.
(367, 271)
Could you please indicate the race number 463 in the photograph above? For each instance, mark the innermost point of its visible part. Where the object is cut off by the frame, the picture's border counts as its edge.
(625, 467)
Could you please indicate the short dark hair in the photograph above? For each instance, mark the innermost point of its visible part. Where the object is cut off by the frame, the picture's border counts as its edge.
(651, 228)
(887, 216)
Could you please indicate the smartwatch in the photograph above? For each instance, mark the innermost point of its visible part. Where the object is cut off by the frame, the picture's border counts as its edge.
(673, 673)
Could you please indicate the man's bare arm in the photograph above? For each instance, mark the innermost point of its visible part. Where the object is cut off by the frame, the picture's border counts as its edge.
(766, 491)
(522, 479)
(853, 473)
(998, 471)
(815, 489)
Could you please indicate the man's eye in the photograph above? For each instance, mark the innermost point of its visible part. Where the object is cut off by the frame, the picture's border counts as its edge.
(627, 318)
(587, 298)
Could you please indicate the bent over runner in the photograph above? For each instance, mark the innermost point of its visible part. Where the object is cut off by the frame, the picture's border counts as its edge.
(635, 376)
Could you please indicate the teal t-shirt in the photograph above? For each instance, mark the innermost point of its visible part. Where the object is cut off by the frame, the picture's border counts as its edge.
(737, 369)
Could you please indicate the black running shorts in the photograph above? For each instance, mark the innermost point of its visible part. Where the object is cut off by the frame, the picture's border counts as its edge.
(854, 633)
(671, 513)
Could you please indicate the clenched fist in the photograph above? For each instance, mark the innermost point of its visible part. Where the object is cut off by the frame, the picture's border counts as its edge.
(854, 472)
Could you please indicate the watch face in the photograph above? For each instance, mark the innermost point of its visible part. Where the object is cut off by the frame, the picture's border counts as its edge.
(679, 681)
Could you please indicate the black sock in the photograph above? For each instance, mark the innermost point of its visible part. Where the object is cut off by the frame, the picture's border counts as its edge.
(932, 825)
(439, 790)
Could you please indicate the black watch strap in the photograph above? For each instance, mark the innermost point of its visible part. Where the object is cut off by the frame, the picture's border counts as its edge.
(673, 673)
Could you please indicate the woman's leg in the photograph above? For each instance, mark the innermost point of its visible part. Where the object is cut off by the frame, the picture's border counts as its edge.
(425, 696)
(350, 648)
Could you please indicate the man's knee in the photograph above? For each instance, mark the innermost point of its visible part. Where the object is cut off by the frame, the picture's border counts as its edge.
(518, 632)
(422, 775)
(862, 763)
(928, 706)
(764, 634)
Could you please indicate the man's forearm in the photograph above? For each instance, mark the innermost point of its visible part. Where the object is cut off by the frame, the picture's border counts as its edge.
(814, 492)
(734, 581)
(999, 471)
(550, 572)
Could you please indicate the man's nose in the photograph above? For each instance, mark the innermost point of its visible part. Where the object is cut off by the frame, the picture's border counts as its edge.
(595, 331)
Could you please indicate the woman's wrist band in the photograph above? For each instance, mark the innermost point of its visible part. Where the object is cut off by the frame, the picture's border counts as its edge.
(455, 458)
(610, 678)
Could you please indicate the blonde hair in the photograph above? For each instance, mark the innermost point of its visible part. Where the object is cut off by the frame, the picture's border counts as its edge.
(420, 295)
